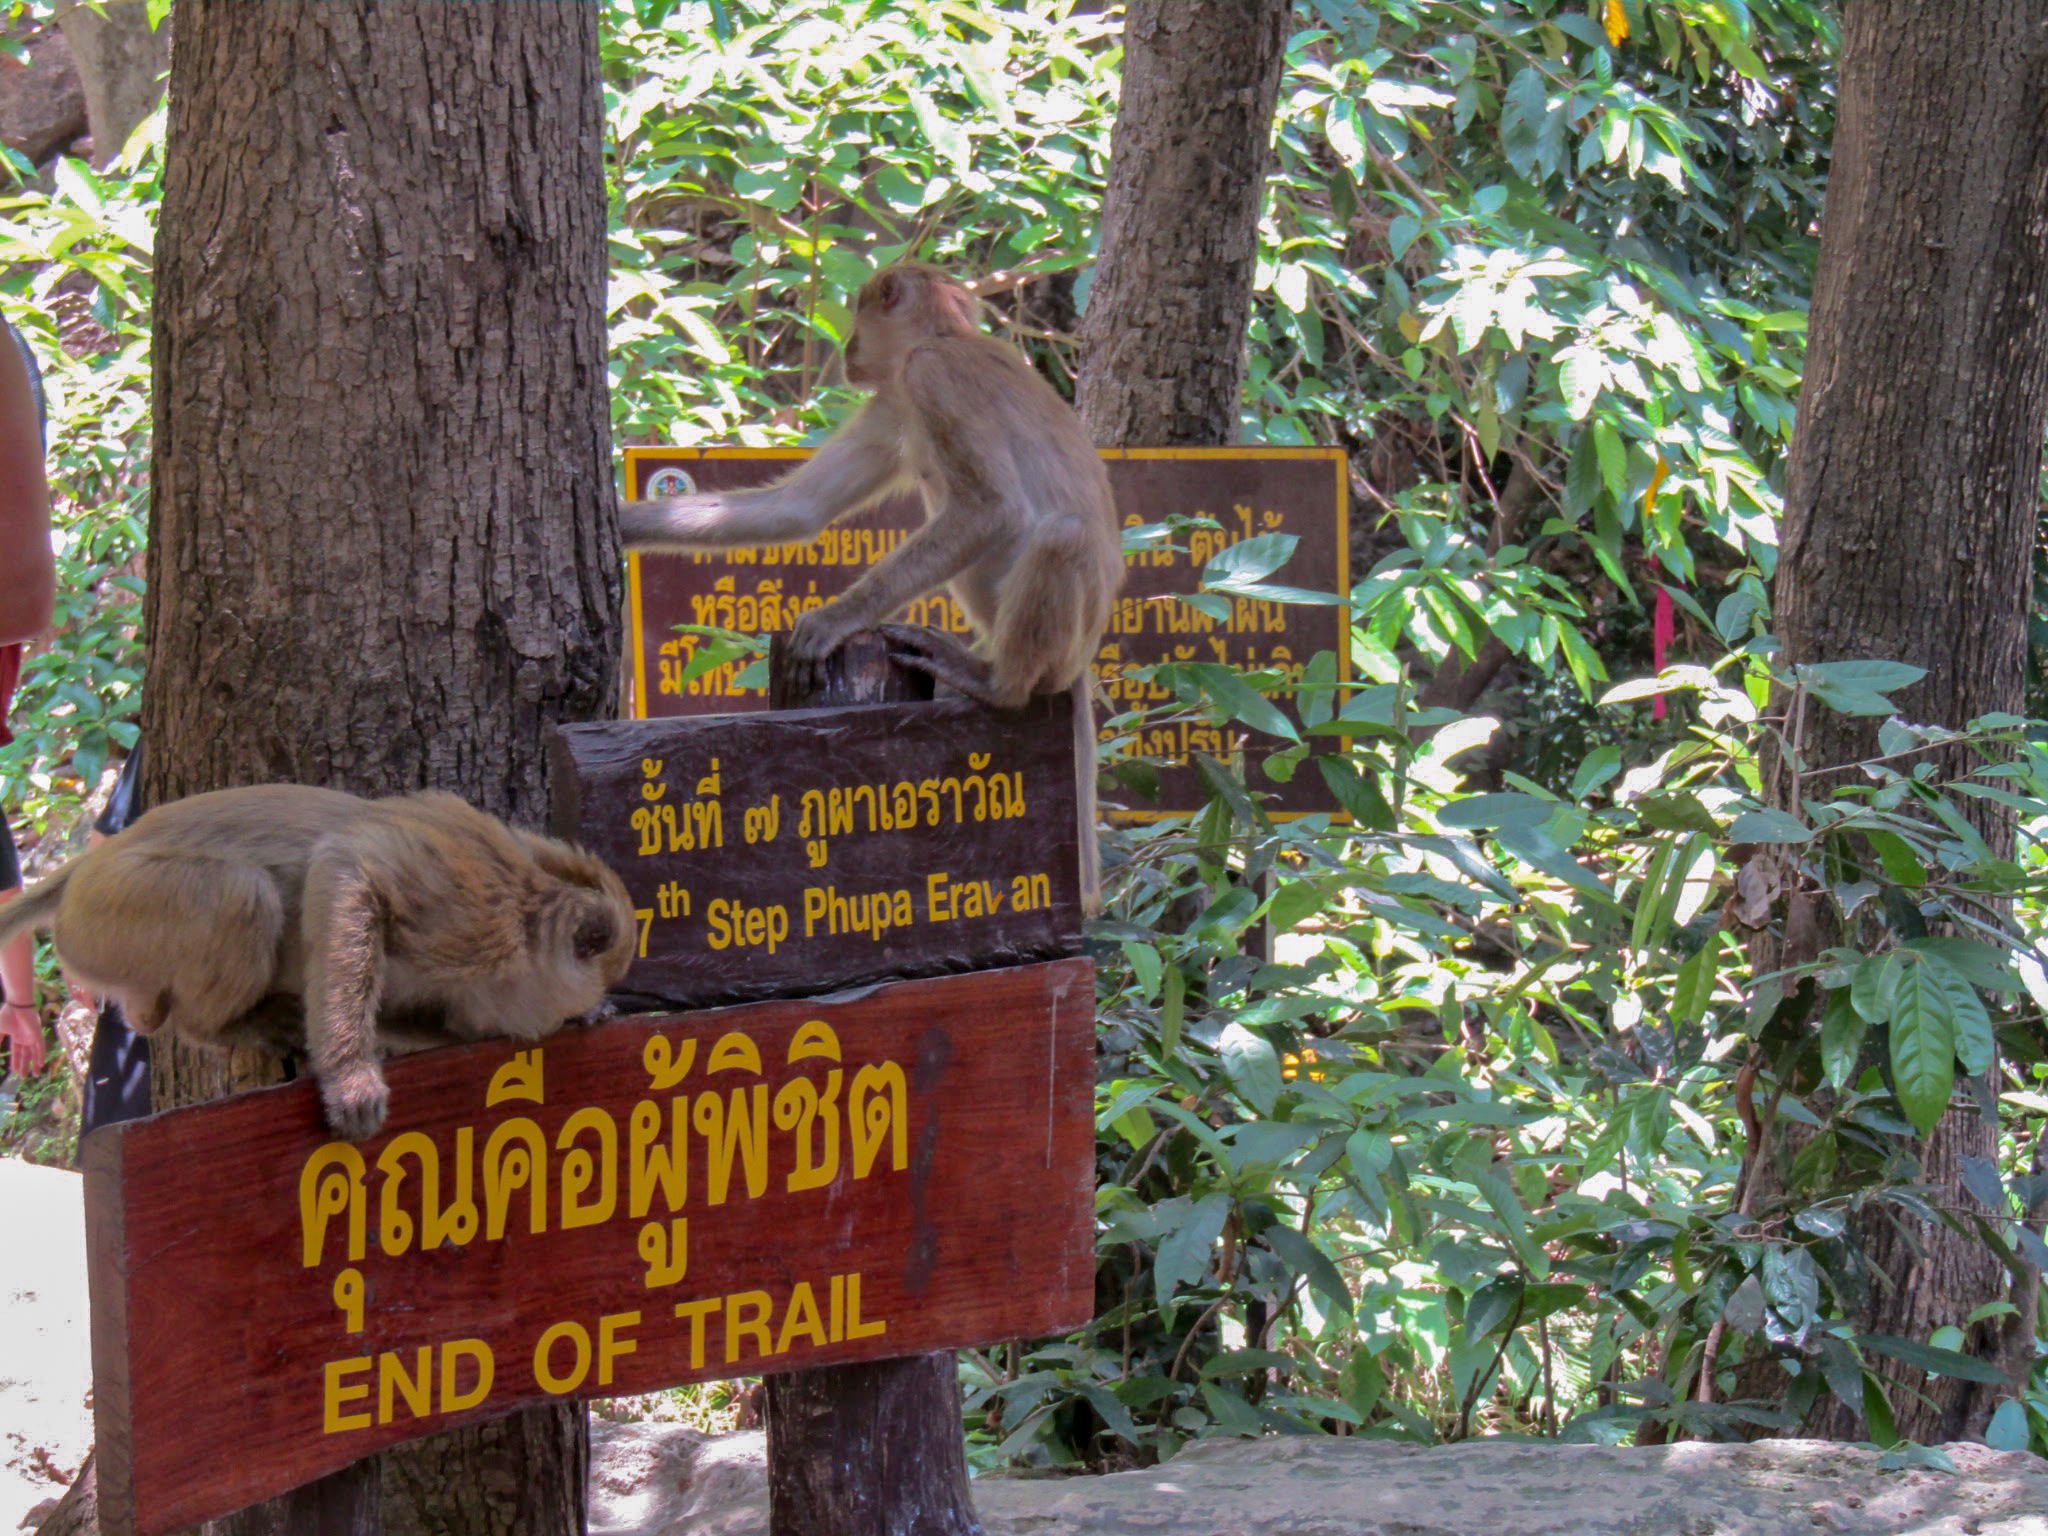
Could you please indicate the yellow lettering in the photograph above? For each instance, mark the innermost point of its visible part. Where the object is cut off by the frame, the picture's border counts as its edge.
(802, 1320)
(610, 1346)
(694, 1313)
(334, 1422)
(544, 1364)
(348, 1295)
(392, 1382)
(453, 1398)
(855, 1328)
(734, 924)
(754, 1326)
(938, 898)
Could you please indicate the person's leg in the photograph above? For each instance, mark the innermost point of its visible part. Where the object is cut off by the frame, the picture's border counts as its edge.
(21, 1026)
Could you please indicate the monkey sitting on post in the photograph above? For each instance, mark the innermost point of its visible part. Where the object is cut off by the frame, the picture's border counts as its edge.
(402, 923)
(1018, 514)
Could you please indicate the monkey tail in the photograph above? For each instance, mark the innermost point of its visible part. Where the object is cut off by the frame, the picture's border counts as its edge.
(35, 909)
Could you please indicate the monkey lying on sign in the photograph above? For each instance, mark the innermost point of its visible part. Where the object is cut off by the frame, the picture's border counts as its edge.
(1018, 515)
(210, 916)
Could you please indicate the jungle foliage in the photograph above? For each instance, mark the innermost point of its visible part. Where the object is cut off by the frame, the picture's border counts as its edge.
(1431, 1121)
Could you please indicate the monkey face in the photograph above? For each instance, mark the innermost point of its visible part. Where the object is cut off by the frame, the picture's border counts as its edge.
(597, 932)
(896, 309)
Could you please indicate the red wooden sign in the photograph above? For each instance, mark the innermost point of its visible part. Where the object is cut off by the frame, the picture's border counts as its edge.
(656, 1200)
(1249, 491)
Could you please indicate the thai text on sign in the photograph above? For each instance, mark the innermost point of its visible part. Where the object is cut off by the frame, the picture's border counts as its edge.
(801, 850)
(652, 1201)
(1248, 491)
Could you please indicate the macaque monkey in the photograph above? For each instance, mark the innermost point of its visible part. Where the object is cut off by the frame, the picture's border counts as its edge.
(402, 923)
(1018, 515)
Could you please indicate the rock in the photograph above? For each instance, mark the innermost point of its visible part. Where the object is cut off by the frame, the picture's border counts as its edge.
(42, 102)
(671, 1480)
(665, 1480)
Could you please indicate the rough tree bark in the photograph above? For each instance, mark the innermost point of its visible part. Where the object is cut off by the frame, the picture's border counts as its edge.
(382, 552)
(1913, 499)
(873, 1449)
(1162, 343)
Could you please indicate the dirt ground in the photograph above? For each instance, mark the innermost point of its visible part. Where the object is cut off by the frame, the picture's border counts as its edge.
(46, 1359)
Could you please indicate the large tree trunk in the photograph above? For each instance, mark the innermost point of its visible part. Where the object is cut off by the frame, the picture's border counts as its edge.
(382, 554)
(1915, 492)
(1162, 343)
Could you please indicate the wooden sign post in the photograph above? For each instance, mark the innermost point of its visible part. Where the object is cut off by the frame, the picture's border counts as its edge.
(831, 1191)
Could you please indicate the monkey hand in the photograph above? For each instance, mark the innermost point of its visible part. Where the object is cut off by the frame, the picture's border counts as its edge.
(605, 1009)
(356, 1099)
(942, 658)
(817, 635)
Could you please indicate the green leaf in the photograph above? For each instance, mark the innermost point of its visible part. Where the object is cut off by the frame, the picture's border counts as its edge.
(1497, 810)
(1842, 1030)
(1492, 1304)
(1768, 826)
(1901, 865)
(1873, 987)
(1236, 698)
(1172, 1012)
(1305, 1258)
(1600, 765)
(2008, 1429)
(1183, 1256)
(1923, 1031)
(1357, 791)
(1876, 676)
(1253, 1065)
(1939, 1362)
(1694, 989)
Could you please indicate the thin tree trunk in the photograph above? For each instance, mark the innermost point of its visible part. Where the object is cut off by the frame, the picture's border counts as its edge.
(382, 554)
(1913, 499)
(875, 1448)
(1163, 340)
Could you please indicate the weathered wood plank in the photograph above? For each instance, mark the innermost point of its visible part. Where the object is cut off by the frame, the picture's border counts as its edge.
(810, 849)
(654, 1200)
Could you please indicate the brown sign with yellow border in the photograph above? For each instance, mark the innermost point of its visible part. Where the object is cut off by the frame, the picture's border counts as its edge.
(1248, 491)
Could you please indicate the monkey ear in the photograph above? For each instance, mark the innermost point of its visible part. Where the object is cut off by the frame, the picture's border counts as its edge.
(892, 288)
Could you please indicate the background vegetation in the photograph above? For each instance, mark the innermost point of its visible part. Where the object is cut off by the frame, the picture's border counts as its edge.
(1433, 1123)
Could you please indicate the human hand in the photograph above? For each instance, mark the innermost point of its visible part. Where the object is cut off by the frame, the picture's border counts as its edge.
(22, 1027)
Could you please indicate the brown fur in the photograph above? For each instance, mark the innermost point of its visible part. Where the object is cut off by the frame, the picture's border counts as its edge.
(1018, 512)
(403, 922)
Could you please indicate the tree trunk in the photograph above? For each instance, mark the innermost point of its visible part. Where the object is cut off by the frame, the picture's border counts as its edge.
(1162, 343)
(382, 554)
(873, 1449)
(121, 59)
(1913, 498)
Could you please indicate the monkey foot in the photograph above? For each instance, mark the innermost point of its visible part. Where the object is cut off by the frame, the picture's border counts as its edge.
(940, 657)
(356, 1100)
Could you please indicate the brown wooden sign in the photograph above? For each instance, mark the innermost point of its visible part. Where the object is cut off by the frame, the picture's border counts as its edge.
(655, 1200)
(798, 851)
(1249, 491)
